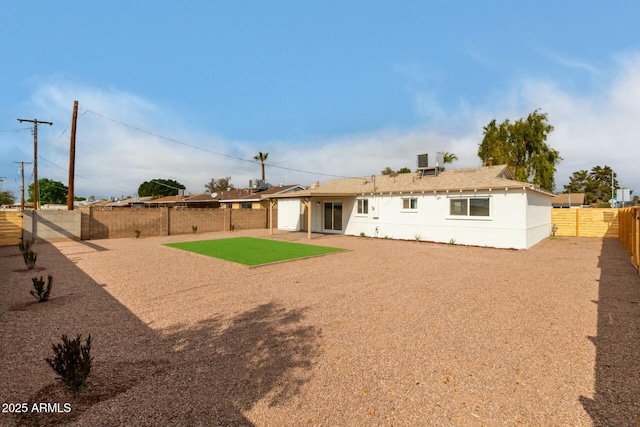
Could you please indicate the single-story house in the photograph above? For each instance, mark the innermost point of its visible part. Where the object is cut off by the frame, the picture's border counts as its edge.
(482, 206)
(568, 200)
(252, 199)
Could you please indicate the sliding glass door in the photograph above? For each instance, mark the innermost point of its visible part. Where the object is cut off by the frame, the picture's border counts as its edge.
(333, 215)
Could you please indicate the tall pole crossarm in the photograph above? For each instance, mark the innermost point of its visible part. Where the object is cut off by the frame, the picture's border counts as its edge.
(35, 122)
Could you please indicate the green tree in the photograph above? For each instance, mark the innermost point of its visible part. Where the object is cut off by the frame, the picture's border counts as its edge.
(218, 184)
(387, 171)
(7, 198)
(449, 158)
(596, 184)
(261, 157)
(159, 188)
(522, 146)
(404, 170)
(49, 191)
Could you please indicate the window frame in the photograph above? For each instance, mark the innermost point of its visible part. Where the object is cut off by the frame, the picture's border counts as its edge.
(362, 207)
(412, 204)
(469, 214)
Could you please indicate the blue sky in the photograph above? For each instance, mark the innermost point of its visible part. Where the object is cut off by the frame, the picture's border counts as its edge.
(337, 88)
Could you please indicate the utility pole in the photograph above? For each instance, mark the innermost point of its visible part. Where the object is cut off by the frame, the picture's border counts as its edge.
(22, 187)
(35, 122)
(72, 156)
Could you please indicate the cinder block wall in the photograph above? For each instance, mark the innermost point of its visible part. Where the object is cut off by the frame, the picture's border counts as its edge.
(123, 222)
(182, 221)
(106, 223)
(52, 226)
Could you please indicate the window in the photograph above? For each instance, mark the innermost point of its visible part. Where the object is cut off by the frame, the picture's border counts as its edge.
(363, 206)
(469, 207)
(409, 204)
(245, 206)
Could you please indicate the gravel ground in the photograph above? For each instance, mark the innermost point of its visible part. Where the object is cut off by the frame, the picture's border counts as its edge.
(388, 333)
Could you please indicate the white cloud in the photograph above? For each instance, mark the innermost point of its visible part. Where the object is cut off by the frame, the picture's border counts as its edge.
(590, 129)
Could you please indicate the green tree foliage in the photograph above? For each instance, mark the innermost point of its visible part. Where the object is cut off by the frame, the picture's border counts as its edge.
(596, 184)
(218, 184)
(387, 171)
(449, 158)
(261, 157)
(49, 191)
(404, 170)
(7, 198)
(159, 188)
(522, 145)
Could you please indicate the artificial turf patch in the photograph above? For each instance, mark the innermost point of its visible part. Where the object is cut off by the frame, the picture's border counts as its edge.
(252, 251)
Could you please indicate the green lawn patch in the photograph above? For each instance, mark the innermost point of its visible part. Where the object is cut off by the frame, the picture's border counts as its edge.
(252, 251)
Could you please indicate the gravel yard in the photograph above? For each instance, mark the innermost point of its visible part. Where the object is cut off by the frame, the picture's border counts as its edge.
(387, 333)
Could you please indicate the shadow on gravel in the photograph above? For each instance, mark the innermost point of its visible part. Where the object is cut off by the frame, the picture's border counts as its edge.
(207, 374)
(616, 399)
(262, 353)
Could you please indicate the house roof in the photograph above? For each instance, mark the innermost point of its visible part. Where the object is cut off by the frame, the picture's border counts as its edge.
(247, 195)
(577, 199)
(482, 178)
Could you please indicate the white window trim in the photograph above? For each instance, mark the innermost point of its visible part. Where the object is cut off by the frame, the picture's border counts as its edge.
(409, 210)
(468, 217)
(364, 214)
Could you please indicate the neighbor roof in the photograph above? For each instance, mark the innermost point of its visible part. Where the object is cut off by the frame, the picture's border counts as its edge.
(247, 195)
(577, 199)
(482, 178)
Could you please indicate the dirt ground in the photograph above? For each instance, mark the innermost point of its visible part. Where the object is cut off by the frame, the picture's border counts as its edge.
(388, 333)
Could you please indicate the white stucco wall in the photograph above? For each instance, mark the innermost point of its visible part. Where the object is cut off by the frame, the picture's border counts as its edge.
(538, 217)
(518, 218)
(431, 221)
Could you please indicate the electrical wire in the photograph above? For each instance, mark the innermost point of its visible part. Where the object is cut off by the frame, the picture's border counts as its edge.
(229, 156)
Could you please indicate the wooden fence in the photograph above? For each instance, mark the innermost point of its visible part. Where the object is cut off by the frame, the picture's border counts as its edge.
(10, 228)
(630, 233)
(586, 222)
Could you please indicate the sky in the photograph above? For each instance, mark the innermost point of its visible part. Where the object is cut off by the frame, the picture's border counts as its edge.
(193, 90)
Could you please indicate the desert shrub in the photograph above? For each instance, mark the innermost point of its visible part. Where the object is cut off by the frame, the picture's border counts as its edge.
(30, 258)
(194, 228)
(25, 245)
(72, 361)
(137, 233)
(42, 291)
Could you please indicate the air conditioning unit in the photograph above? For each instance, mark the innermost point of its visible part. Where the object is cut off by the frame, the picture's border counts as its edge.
(430, 163)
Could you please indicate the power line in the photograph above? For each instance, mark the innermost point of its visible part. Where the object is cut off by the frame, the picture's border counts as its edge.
(229, 156)
(35, 122)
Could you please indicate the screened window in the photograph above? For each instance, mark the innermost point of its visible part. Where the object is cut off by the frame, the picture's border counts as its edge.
(245, 206)
(458, 207)
(479, 207)
(409, 204)
(363, 206)
(469, 207)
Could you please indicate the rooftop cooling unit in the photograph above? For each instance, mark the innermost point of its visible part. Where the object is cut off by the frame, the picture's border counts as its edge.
(430, 164)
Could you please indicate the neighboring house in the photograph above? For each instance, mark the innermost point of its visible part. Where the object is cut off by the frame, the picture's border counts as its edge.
(189, 201)
(251, 199)
(568, 200)
(482, 206)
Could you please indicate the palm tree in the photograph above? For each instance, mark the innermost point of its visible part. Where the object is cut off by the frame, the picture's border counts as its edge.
(261, 157)
(449, 157)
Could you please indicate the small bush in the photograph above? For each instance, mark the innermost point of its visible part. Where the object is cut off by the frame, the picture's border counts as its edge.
(25, 245)
(452, 241)
(362, 234)
(30, 258)
(137, 233)
(72, 361)
(42, 291)
(194, 228)
(418, 237)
